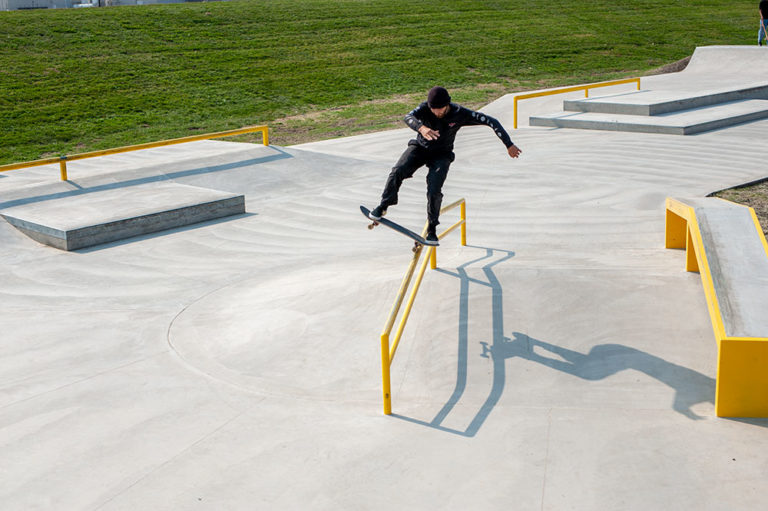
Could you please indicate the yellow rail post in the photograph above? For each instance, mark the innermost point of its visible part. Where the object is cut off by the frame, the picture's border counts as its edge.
(462, 222)
(576, 88)
(463, 213)
(62, 160)
(386, 362)
(63, 168)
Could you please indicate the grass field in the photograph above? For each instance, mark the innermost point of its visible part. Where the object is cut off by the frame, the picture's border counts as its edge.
(82, 79)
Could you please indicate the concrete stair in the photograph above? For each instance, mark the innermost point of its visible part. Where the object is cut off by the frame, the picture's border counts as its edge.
(656, 102)
(684, 122)
(676, 112)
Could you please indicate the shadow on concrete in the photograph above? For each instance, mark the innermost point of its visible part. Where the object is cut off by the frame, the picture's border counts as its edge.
(499, 376)
(79, 189)
(158, 234)
(602, 361)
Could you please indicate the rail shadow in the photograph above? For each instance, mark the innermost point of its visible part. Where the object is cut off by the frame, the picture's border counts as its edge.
(499, 377)
(602, 361)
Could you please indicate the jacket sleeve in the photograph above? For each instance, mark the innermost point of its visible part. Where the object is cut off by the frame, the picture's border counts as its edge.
(414, 118)
(478, 118)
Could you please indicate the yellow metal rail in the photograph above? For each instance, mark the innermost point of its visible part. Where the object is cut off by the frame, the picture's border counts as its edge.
(576, 88)
(387, 350)
(62, 160)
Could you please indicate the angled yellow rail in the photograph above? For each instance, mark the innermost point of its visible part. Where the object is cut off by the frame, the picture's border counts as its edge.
(388, 350)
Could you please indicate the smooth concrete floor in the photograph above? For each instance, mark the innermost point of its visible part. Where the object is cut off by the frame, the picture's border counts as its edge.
(562, 360)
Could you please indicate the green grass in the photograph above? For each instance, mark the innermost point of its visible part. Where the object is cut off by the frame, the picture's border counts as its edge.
(83, 79)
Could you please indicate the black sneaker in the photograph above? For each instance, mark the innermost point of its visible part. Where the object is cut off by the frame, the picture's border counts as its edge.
(431, 235)
(377, 213)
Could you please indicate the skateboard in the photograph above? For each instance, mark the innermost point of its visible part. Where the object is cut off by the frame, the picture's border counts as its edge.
(418, 240)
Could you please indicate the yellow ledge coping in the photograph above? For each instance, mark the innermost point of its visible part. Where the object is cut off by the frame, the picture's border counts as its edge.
(742, 362)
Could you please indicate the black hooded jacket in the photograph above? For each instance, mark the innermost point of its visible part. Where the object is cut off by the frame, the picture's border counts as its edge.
(449, 125)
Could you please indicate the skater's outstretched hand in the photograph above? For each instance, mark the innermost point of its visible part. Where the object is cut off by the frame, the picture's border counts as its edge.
(513, 151)
(429, 133)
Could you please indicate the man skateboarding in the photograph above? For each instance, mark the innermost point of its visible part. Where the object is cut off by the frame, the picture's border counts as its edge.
(437, 121)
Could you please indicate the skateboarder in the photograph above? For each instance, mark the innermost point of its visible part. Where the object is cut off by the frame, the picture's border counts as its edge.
(437, 121)
(761, 34)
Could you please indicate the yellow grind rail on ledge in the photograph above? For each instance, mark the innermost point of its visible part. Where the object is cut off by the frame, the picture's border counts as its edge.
(62, 160)
(388, 350)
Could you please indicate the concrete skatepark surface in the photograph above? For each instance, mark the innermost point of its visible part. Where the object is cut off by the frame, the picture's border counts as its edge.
(562, 360)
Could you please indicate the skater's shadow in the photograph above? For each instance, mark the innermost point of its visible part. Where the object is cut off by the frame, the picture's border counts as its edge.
(601, 362)
(604, 360)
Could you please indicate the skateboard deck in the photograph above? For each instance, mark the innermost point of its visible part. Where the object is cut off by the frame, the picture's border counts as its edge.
(397, 227)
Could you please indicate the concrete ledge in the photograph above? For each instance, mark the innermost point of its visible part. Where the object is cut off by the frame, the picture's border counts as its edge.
(653, 102)
(687, 122)
(725, 244)
(89, 219)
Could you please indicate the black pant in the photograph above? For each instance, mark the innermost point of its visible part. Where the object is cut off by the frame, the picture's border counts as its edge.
(410, 161)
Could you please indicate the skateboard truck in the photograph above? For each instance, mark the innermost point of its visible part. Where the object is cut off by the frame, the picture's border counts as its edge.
(416, 245)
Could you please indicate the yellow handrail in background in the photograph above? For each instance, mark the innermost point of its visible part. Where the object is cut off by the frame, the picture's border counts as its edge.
(387, 351)
(62, 160)
(585, 88)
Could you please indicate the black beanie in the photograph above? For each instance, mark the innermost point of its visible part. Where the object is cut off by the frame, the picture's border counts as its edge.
(438, 97)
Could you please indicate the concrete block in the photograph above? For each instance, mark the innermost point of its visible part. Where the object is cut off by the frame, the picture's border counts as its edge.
(89, 219)
(687, 122)
(656, 102)
(732, 258)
